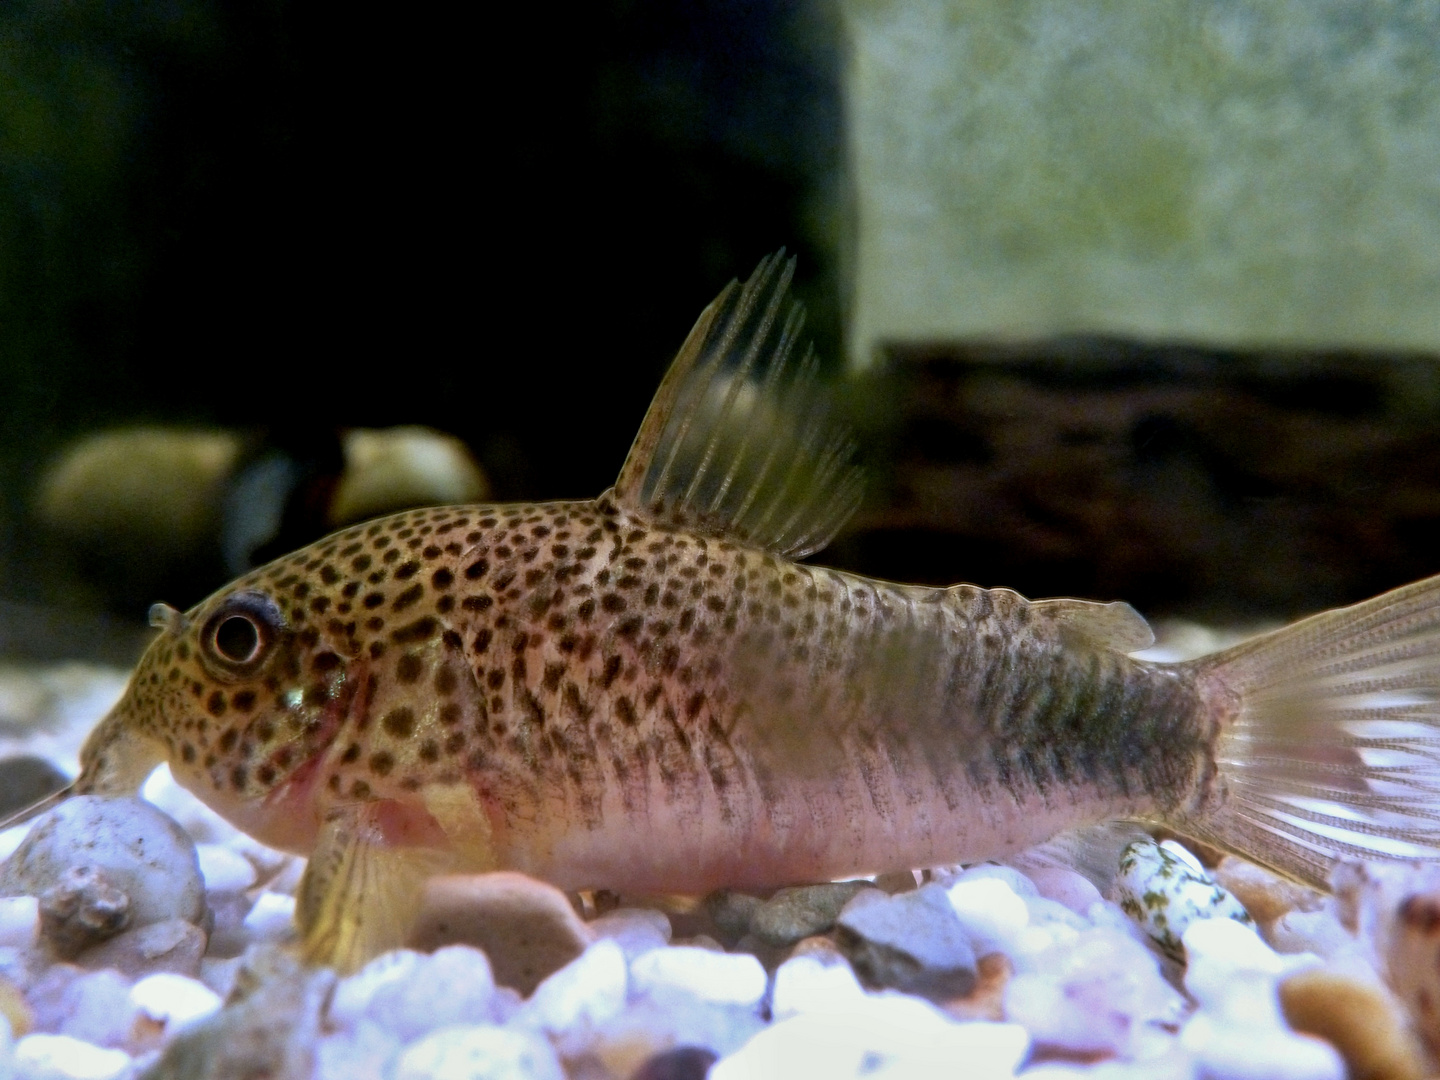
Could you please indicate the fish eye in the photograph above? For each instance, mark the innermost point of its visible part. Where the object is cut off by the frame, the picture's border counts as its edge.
(238, 637)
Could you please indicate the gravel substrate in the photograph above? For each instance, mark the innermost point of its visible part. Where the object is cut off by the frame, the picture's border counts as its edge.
(150, 938)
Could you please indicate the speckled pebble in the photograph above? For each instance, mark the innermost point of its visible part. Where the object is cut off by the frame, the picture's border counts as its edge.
(479, 1053)
(139, 850)
(60, 1057)
(717, 977)
(1165, 889)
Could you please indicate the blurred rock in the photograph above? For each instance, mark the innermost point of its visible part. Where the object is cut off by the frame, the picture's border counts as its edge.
(798, 912)
(171, 945)
(1264, 894)
(93, 1006)
(14, 1009)
(392, 468)
(479, 1053)
(527, 928)
(453, 986)
(722, 978)
(25, 780)
(61, 1057)
(681, 1063)
(82, 909)
(986, 999)
(913, 942)
(1359, 1018)
(139, 850)
(269, 1027)
(635, 930)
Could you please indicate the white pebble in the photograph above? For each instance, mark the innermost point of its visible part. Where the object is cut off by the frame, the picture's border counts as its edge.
(224, 870)
(19, 919)
(353, 995)
(174, 1000)
(60, 1057)
(721, 978)
(362, 1054)
(1319, 932)
(1219, 951)
(1020, 884)
(635, 930)
(805, 984)
(584, 993)
(479, 1053)
(880, 1033)
(13, 837)
(994, 915)
(272, 918)
(453, 985)
(1230, 1051)
(1064, 886)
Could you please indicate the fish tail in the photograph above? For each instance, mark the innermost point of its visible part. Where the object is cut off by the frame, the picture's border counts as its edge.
(1329, 739)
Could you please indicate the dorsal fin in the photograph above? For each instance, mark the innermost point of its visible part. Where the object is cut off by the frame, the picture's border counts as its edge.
(1115, 626)
(741, 439)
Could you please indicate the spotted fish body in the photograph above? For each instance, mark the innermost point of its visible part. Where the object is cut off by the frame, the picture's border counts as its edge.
(645, 692)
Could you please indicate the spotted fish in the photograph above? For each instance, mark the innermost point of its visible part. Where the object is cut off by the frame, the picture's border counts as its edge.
(648, 692)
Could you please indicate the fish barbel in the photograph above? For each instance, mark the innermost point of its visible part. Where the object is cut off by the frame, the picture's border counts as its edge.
(645, 692)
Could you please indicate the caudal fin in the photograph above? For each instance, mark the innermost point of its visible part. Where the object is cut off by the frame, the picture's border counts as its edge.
(1335, 751)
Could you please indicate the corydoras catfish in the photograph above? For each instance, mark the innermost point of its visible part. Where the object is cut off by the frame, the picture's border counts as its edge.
(647, 692)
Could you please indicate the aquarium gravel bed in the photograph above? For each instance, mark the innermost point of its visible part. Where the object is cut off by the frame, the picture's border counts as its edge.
(149, 938)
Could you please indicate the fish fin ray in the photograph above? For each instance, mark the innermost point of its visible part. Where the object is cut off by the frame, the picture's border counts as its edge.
(359, 897)
(1330, 751)
(743, 439)
(1116, 625)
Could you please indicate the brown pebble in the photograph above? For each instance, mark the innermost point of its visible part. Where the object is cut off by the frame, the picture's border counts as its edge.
(1363, 1022)
(1413, 962)
(14, 1009)
(1264, 894)
(527, 928)
(897, 882)
(987, 1000)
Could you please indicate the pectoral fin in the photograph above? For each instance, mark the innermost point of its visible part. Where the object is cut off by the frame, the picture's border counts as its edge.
(359, 897)
(741, 440)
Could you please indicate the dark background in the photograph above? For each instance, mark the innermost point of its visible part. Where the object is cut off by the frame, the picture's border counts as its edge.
(296, 216)
(289, 217)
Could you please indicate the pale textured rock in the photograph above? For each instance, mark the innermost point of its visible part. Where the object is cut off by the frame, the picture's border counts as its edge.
(452, 986)
(91, 1006)
(82, 909)
(1094, 997)
(721, 978)
(366, 1053)
(60, 1057)
(173, 945)
(810, 984)
(994, 915)
(889, 1032)
(353, 995)
(271, 918)
(138, 849)
(527, 928)
(479, 1053)
(19, 920)
(582, 995)
(224, 869)
(1064, 886)
(174, 1001)
(635, 930)
(1165, 890)
(914, 942)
